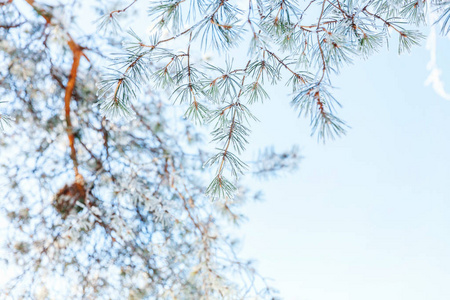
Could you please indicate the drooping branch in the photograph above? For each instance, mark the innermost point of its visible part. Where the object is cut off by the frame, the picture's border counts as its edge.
(77, 53)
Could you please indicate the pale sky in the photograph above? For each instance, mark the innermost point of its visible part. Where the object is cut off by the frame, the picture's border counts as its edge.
(366, 216)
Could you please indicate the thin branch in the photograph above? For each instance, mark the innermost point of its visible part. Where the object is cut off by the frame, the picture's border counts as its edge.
(118, 11)
(233, 124)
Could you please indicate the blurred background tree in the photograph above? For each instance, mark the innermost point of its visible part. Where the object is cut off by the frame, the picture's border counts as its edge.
(99, 209)
(103, 184)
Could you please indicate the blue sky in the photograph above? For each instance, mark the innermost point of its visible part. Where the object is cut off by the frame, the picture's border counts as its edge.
(366, 216)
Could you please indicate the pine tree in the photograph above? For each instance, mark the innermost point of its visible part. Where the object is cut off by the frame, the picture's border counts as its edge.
(299, 44)
(103, 178)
